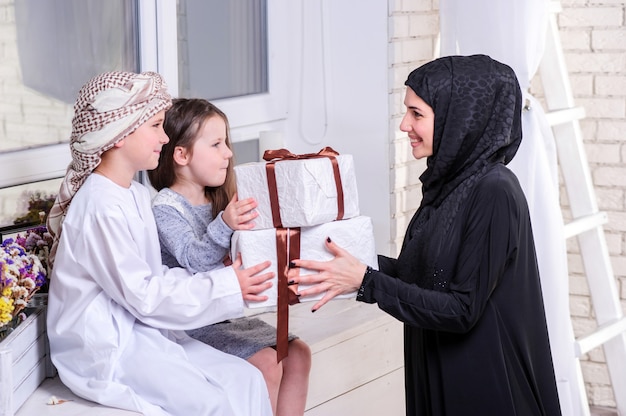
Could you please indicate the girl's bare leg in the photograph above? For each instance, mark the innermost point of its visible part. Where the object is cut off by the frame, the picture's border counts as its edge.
(295, 380)
(265, 361)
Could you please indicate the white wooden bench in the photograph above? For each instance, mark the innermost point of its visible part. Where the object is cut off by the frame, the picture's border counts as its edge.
(357, 365)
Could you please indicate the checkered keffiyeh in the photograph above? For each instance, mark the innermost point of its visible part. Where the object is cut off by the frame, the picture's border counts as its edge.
(109, 107)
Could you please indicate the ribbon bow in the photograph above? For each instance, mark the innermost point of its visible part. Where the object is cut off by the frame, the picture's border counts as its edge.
(284, 154)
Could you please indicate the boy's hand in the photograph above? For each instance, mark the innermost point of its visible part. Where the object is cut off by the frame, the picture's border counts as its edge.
(251, 282)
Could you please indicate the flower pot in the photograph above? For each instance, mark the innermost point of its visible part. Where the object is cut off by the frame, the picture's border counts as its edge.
(24, 360)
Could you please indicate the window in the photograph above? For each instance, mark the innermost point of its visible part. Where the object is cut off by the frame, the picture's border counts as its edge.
(21, 205)
(222, 48)
(51, 50)
(230, 52)
(48, 50)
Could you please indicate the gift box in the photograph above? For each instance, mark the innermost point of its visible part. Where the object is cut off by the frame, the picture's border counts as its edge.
(308, 189)
(355, 235)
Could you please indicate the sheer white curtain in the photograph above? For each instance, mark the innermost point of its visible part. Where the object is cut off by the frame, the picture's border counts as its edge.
(63, 43)
(513, 32)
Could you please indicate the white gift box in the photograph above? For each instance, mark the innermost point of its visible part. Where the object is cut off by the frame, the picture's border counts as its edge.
(356, 235)
(306, 188)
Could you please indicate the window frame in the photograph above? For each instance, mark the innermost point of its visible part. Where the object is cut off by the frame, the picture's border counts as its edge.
(158, 52)
(35, 164)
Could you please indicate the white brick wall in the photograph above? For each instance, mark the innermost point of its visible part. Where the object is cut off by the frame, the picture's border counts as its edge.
(593, 35)
(413, 34)
(594, 40)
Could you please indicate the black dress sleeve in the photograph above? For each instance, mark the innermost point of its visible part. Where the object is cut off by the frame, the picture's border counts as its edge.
(486, 228)
(387, 265)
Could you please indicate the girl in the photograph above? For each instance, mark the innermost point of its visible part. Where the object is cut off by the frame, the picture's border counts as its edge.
(197, 211)
(113, 308)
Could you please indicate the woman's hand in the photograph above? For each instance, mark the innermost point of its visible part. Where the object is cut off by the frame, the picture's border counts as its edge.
(251, 282)
(343, 274)
(238, 215)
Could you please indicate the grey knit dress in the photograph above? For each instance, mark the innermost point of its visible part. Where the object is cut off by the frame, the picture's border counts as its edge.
(191, 239)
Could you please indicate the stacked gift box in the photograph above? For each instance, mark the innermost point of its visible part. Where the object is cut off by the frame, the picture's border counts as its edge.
(304, 197)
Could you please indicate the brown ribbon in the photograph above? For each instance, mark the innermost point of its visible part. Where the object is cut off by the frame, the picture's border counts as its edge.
(288, 239)
(287, 249)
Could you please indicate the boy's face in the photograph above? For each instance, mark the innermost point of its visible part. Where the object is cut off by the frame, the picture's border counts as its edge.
(143, 146)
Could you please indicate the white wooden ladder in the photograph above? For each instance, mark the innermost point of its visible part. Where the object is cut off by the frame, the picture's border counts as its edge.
(587, 223)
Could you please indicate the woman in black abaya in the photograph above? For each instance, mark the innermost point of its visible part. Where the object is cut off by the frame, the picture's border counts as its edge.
(466, 283)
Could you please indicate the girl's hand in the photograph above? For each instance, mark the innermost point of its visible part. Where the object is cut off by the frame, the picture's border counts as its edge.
(251, 282)
(338, 276)
(238, 215)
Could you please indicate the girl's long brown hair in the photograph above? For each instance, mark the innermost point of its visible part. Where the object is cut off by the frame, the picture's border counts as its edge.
(182, 123)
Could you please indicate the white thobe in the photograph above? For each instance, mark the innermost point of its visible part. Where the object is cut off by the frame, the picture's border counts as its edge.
(116, 315)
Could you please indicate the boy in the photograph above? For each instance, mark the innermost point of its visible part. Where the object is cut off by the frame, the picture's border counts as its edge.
(115, 315)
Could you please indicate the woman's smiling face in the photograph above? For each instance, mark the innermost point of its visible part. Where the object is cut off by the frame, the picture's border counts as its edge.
(419, 123)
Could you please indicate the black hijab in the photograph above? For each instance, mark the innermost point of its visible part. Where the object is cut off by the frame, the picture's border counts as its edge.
(477, 104)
